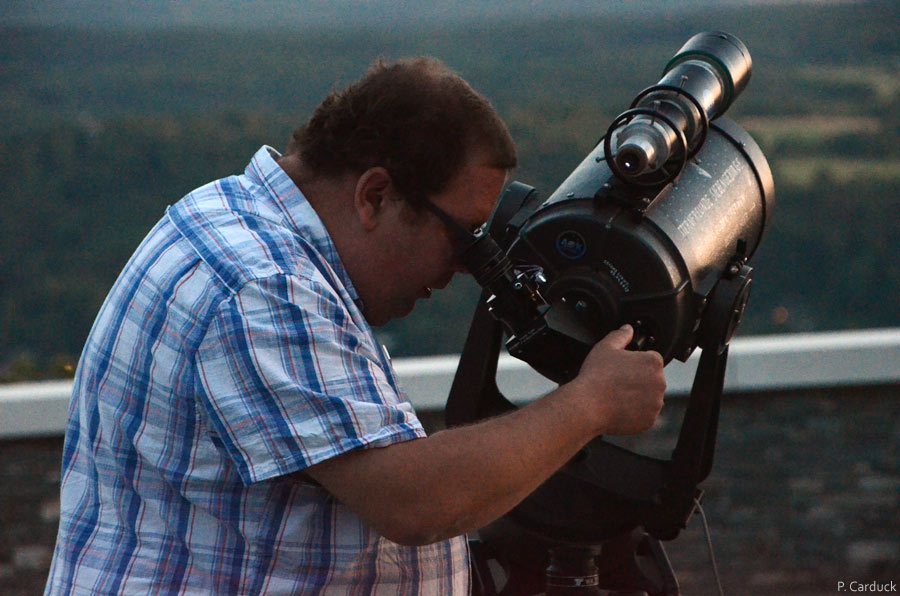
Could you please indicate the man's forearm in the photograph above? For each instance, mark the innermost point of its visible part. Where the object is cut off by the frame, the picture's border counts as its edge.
(460, 479)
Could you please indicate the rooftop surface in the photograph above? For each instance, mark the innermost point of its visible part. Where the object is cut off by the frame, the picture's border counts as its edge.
(804, 493)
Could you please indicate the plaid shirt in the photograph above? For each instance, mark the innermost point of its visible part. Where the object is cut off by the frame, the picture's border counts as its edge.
(230, 353)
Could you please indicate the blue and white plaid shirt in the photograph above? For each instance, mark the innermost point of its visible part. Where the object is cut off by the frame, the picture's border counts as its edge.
(230, 353)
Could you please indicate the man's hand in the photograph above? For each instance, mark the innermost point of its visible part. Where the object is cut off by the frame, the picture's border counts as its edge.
(627, 387)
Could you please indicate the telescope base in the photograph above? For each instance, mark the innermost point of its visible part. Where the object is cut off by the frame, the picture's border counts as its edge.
(633, 564)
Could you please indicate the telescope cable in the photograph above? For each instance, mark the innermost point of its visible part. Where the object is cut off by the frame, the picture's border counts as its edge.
(712, 556)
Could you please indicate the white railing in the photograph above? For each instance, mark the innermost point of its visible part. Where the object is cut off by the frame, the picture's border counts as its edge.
(755, 365)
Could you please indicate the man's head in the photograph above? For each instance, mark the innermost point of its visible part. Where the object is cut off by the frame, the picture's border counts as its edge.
(375, 152)
(415, 118)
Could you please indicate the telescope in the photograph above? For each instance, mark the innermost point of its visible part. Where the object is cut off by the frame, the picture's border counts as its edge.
(654, 228)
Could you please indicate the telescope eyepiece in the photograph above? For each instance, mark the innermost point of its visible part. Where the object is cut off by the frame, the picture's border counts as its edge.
(646, 145)
(632, 158)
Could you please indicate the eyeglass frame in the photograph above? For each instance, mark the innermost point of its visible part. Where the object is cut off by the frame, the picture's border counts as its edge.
(460, 237)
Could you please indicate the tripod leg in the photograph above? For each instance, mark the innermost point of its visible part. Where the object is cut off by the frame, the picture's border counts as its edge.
(482, 579)
(636, 563)
(668, 581)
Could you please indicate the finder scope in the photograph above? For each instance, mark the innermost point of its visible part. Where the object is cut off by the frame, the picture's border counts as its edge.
(667, 123)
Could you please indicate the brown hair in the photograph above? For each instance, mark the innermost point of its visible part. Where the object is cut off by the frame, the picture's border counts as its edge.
(416, 118)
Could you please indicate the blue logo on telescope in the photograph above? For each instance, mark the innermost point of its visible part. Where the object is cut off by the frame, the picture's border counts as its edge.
(571, 245)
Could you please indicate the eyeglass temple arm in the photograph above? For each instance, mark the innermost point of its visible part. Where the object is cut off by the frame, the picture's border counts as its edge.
(462, 239)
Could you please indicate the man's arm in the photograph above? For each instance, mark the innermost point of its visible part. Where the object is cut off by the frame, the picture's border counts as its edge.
(461, 479)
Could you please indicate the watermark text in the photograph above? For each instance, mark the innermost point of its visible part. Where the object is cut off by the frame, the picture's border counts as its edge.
(868, 587)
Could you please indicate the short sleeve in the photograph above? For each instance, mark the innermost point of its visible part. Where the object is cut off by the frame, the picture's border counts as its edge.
(288, 380)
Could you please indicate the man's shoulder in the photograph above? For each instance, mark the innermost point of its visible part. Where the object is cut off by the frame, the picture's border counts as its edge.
(240, 237)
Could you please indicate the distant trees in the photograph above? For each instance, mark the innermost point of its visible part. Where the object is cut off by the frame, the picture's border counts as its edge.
(102, 130)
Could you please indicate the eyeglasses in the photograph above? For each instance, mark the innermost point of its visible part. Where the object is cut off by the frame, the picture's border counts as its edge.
(460, 237)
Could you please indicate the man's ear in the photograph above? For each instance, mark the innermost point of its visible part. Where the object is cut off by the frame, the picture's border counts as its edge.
(371, 196)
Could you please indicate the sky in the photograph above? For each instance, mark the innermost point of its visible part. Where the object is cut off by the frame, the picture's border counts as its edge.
(114, 14)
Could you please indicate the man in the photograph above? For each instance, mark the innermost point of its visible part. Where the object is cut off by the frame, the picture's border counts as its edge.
(236, 429)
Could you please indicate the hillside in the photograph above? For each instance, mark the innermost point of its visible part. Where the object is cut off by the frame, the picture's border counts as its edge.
(101, 129)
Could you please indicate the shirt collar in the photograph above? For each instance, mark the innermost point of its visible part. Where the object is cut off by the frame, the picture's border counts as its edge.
(284, 193)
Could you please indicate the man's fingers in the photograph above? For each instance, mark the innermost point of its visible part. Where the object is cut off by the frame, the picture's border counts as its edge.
(619, 338)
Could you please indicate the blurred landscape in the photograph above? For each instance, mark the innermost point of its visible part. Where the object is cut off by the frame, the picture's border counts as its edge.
(104, 123)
